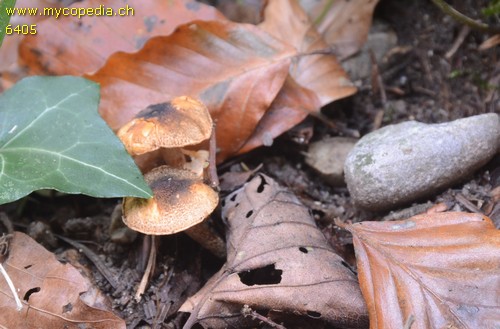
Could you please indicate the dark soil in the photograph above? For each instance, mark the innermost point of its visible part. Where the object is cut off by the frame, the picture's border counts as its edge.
(419, 82)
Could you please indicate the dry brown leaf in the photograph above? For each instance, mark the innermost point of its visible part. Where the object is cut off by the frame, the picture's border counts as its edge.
(242, 11)
(321, 73)
(235, 69)
(277, 260)
(442, 269)
(344, 24)
(52, 292)
(292, 105)
(315, 80)
(491, 42)
(72, 45)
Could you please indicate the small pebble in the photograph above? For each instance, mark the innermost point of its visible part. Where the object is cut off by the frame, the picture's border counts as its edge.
(401, 163)
(327, 157)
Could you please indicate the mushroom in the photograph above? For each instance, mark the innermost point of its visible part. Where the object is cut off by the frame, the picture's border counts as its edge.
(170, 126)
(181, 200)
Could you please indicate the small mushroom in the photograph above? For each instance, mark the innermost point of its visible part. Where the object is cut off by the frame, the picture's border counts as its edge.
(181, 200)
(181, 122)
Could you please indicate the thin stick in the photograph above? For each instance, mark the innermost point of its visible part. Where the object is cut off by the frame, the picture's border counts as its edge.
(12, 288)
(213, 179)
(147, 272)
(247, 311)
(458, 16)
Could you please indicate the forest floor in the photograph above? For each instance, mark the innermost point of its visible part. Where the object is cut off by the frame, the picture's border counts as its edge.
(425, 79)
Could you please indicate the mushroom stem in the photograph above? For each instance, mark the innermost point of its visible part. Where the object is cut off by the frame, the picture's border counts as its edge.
(205, 235)
(212, 177)
(173, 157)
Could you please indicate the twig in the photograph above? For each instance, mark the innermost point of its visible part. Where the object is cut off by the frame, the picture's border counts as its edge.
(98, 263)
(213, 179)
(147, 272)
(458, 16)
(4, 251)
(464, 31)
(247, 311)
(12, 288)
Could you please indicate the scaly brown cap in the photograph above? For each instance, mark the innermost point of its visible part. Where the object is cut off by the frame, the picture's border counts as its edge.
(181, 200)
(181, 122)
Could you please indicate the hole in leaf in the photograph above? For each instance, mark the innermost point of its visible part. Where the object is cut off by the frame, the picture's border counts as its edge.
(263, 183)
(28, 266)
(260, 276)
(28, 293)
(233, 197)
(314, 314)
(236, 205)
(223, 203)
(250, 213)
(67, 308)
(303, 249)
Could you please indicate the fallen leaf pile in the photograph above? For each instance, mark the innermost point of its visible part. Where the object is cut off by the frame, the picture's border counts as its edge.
(257, 81)
(441, 270)
(54, 295)
(278, 261)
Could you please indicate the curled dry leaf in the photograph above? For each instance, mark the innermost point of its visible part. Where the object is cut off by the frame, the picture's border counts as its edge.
(320, 73)
(344, 24)
(235, 69)
(52, 292)
(315, 80)
(277, 260)
(80, 45)
(441, 269)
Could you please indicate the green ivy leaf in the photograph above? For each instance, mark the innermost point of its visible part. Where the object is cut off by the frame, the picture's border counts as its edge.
(4, 17)
(51, 136)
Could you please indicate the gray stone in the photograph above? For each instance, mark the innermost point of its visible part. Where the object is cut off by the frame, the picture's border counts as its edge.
(404, 162)
(381, 39)
(327, 157)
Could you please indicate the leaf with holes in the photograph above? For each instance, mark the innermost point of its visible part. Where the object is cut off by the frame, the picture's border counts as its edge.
(278, 261)
(54, 295)
(442, 270)
(51, 136)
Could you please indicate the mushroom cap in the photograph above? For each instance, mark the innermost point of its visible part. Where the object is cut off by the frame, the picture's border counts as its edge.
(180, 122)
(180, 200)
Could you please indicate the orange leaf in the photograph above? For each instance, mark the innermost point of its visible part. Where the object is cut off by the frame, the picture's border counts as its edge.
(321, 73)
(292, 105)
(315, 80)
(235, 69)
(443, 269)
(72, 45)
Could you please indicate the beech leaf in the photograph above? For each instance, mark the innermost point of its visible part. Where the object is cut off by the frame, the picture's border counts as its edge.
(279, 261)
(441, 269)
(51, 137)
(314, 80)
(235, 69)
(54, 295)
(80, 45)
(344, 24)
